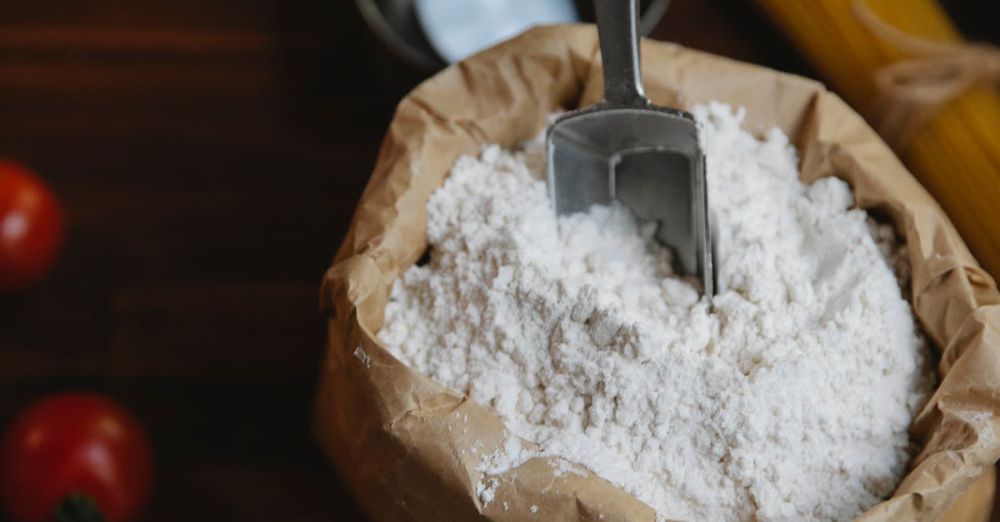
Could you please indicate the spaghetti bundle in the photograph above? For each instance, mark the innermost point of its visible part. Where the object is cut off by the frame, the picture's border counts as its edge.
(904, 65)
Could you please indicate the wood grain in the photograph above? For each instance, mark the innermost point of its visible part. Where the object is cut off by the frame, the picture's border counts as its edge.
(209, 155)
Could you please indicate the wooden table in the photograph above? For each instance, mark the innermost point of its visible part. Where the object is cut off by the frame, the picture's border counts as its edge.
(209, 155)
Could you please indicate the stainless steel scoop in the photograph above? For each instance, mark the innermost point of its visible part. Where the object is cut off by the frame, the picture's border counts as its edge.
(628, 149)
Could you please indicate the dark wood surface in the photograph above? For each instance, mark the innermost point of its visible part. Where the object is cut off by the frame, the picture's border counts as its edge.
(209, 155)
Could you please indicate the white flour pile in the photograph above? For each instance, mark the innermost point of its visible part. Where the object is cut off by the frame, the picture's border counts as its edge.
(790, 400)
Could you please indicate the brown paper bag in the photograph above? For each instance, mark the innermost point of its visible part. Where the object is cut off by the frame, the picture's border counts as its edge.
(409, 448)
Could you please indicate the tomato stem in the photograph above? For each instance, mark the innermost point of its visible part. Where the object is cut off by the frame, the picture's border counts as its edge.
(78, 507)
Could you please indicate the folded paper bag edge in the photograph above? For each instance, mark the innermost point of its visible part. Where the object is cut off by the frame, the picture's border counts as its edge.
(495, 84)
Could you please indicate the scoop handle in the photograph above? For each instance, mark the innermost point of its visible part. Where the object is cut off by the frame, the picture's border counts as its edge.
(618, 29)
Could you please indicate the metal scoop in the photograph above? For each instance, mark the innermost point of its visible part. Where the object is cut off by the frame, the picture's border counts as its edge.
(628, 149)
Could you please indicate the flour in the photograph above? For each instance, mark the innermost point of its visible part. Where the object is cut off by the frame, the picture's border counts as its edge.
(789, 399)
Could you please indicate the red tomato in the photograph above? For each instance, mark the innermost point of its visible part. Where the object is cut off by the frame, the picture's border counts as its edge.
(30, 227)
(75, 444)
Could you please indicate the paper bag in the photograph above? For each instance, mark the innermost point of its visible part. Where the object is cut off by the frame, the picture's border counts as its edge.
(409, 448)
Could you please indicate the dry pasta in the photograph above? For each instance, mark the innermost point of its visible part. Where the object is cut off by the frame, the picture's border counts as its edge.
(955, 153)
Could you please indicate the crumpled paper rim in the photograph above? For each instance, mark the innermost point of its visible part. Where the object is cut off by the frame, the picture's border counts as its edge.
(410, 448)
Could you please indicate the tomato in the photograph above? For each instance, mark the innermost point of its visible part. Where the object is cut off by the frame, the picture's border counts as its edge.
(30, 227)
(74, 446)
